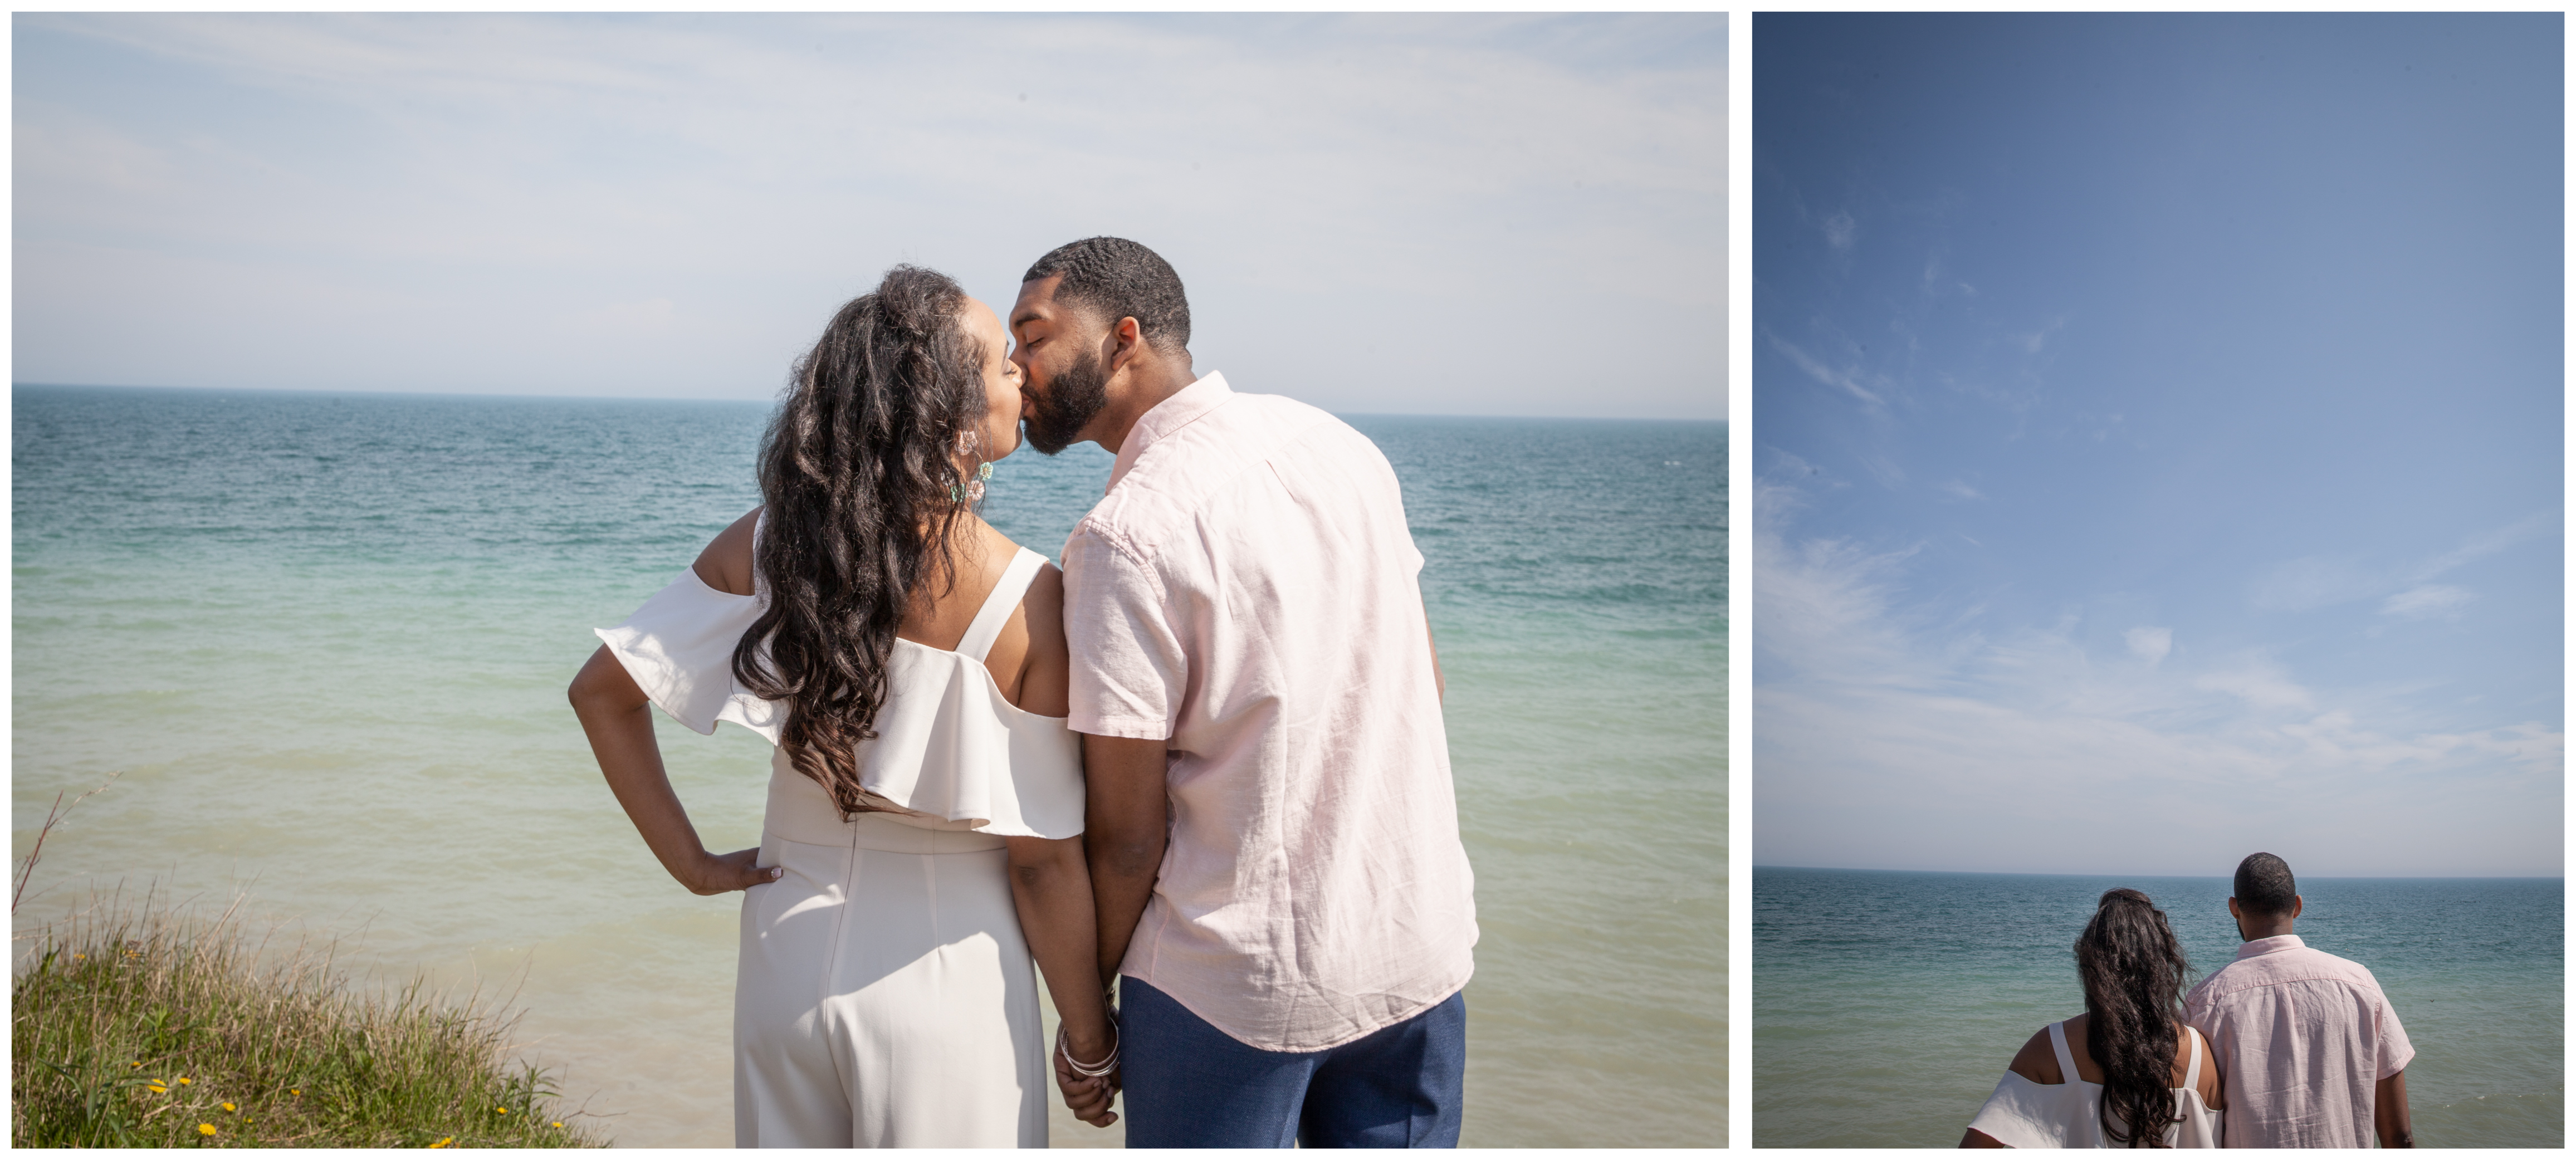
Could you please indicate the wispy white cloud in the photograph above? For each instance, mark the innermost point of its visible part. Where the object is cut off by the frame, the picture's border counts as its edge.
(2034, 341)
(2259, 682)
(1848, 380)
(1960, 489)
(2309, 583)
(1841, 232)
(2486, 543)
(2428, 601)
(1886, 736)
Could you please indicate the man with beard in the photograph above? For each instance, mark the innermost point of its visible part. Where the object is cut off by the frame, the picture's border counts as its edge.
(1272, 834)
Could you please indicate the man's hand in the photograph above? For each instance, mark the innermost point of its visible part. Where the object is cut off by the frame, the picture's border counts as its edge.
(1088, 1096)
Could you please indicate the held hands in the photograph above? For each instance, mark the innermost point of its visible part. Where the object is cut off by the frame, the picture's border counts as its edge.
(1088, 1096)
(718, 873)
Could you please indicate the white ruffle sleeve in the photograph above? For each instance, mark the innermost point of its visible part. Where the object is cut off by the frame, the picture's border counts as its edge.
(950, 753)
(679, 648)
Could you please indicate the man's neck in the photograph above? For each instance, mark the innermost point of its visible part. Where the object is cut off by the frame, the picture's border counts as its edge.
(2254, 932)
(1146, 388)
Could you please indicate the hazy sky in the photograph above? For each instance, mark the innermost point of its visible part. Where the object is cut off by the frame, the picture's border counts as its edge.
(1436, 214)
(2158, 426)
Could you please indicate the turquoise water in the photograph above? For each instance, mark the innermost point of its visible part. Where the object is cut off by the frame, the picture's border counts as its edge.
(326, 639)
(1885, 1005)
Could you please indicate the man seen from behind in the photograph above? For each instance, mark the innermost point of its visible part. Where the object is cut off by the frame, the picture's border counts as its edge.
(2313, 1055)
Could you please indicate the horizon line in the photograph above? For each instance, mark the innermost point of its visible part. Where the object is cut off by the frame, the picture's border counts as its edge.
(15, 384)
(2558, 877)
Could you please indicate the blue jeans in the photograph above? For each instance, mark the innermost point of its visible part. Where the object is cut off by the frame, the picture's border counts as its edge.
(1189, 1085)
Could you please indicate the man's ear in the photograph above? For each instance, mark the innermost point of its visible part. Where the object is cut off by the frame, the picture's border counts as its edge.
(1127, 340)
(2297, 904)
(2232, 911)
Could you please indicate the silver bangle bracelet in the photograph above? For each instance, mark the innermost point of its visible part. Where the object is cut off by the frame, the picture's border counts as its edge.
(1088, 1070)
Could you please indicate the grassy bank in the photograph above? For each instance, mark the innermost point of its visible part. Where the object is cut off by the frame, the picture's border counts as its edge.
(134, 1025)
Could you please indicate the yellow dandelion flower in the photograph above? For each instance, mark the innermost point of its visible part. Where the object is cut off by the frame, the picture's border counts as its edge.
(559, 1123)
(159, 1088)
(295, 1091)
(228, 1107)
(138, 1063)
(184, 1079)
(503, 1111)
(443, 1141)
(207, 1129)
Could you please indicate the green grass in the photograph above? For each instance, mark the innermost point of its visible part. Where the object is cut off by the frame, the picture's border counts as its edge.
(150, 1027)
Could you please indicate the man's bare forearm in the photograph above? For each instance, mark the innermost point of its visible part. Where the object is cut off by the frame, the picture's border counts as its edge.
(2388, 1114)
(1125, 820)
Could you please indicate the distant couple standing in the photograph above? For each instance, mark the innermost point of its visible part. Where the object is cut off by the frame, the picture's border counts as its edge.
(1207, 756)
(2285, 1047)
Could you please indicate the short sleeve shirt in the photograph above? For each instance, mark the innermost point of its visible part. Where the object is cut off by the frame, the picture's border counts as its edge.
(2303, 1038)
(1247, 592)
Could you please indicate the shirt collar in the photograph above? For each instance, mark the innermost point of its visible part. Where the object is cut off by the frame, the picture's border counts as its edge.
(1183, 408)
(2265, 946)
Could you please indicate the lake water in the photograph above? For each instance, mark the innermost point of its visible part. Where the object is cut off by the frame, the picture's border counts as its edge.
(1885, 1005)
(326, 640)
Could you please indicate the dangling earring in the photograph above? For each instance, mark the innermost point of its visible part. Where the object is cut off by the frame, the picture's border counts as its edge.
(973, 492)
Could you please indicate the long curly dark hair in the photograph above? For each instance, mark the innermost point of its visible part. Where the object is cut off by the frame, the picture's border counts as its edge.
(860, 493)
(2133, 971)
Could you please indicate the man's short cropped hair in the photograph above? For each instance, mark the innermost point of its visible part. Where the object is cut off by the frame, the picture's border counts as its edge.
(1116, 278)
(2264, 885)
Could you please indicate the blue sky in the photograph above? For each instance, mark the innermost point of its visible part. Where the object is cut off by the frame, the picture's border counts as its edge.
(1437, 214)
(2158, 427)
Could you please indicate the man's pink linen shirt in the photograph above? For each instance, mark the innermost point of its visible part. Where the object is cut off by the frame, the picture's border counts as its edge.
(1247, 591)
(2304, 1038)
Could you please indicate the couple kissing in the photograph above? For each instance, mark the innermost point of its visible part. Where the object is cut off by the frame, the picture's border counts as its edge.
(1198, 778)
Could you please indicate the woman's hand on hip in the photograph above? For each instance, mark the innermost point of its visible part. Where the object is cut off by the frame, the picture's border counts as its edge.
(719, 873)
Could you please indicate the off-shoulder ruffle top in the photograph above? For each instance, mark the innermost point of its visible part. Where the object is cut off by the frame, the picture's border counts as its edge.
(950, 752)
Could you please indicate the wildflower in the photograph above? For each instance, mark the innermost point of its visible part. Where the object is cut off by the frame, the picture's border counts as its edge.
(207, 1129)
(559, 1123)
(443, 1141)
(228, 1107)
(159, 1088)
(138, 1063)
(295, 1091)
(503, 1111)
(184, 1079)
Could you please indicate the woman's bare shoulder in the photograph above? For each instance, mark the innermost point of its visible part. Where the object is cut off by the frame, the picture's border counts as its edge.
(1045, 598)
(726, 565)
(2037, 1061)
(2213, 1088)
(1045, 686)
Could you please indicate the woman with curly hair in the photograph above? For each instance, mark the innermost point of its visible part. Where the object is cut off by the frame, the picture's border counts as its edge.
(2127, 1073)
(922, 837)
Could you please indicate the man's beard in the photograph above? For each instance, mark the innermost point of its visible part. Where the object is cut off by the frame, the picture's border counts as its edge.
(1077, 394)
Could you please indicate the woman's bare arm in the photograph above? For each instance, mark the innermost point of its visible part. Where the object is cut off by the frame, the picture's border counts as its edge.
(618, 719)
(1051, 886)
